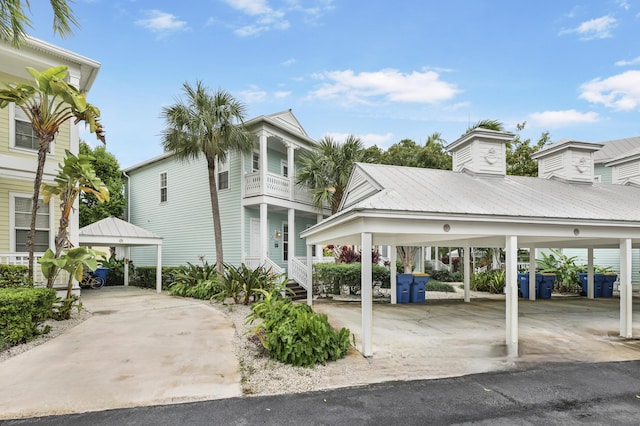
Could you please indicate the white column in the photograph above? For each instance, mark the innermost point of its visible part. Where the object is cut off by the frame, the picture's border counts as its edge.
(263, 162)
(159, 269)
(366, 295)
(421, 260)
(626, 297)
(590, 281)
(127, 256)
(309, 276)
(319, 246)
(291, 168)
(264, 233)
(511, 284)
(467, 274)
(532, 273)
(393, 255)
(437, 259)
(292, 237)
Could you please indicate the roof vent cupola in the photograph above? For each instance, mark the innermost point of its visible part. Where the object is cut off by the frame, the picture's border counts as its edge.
(481, 152)
(567, 161)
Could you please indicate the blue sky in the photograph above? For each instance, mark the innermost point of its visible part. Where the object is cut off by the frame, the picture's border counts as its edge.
(381, 70)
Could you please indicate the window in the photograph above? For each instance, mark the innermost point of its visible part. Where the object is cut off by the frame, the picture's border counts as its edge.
(285, 241)
(284, 167)
(24, 135)
(22, 223)
(255, 161)
(223, 174)
(163, 187)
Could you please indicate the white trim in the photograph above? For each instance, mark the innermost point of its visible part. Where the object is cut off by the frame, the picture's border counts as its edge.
(13, 116)
(254, 169)
(284, 164)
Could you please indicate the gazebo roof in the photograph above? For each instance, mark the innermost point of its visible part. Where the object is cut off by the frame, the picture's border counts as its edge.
(112, 231)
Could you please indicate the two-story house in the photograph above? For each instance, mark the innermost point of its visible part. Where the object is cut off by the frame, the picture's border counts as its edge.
(262, 209)
(19, 148)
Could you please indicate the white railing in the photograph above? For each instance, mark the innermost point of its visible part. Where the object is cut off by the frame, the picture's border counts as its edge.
(275, 268)
(252, 184)
(438, 265)
(252, 262)
(23, 259)
(299, 272)
(275, 185)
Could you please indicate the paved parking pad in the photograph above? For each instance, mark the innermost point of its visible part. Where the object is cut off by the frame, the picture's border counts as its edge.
(139, 348)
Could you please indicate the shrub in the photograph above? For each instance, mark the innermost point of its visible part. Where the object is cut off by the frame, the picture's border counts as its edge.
(145, 277)
(489, 281)
(115, 276)
(446, 276)
(294, 334)
(12, 276)
(22, 310)
(329, 277)
(242, 283)
(439, 286)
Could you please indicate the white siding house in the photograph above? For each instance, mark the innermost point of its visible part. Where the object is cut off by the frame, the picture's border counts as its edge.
(262, 210)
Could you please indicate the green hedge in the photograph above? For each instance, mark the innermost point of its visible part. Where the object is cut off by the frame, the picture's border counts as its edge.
(12, 276)
(329, 277)
(22, 310)
(145, 276)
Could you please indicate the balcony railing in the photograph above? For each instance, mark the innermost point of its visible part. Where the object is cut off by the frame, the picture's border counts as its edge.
(275, 186)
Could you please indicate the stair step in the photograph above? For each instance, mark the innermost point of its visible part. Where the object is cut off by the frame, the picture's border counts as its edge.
(299, 291)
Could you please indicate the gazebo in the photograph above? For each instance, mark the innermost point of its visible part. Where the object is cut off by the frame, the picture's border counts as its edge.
(478, 205)
(114, 232)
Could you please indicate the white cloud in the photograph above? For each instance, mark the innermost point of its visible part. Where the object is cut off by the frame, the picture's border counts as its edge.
(624, 4)
(624, 63)
(597, 28)
(368, 139)
(281, 94)
(288, 62)
(253, 95)
(389, 84)
(250, 7)
(568, 117)
(161, 22)
(620, 92)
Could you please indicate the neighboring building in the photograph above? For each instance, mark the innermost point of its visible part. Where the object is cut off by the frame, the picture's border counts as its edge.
(610, 151)
(19, 147)
(262, 209)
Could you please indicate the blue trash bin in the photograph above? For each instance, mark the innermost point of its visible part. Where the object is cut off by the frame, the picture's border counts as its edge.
(546, 286)
(418, 288)
(607, 285)
(102, 273)
(598, 284)
(403, 284)
(523, 280)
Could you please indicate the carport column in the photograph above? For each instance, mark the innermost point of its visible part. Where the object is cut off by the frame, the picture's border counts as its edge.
(511, 286)
(393, 270)
(532, 273)
(366, 295)
(309, 282)
(159, 269)
(590, 281)
(467, 273)
(127, 255)
(626, 308)
(264, 233)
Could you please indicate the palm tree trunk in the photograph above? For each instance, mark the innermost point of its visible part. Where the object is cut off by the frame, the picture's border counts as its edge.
(43, 147)
(215, 211)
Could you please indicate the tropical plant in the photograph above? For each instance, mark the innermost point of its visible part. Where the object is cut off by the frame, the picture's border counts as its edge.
(48, 104)
(326, 170)
(14, 20)
(211, 125)
(198, 281)
(116, 266)
(242, 283)
(75, 176)
(563, 267)
(492, 281)
(293, 333)
(108, 170)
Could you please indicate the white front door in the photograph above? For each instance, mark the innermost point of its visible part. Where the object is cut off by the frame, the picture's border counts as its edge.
(255, 238)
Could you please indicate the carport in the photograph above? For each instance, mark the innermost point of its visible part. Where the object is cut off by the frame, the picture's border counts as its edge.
(478, 205)
(114, 232)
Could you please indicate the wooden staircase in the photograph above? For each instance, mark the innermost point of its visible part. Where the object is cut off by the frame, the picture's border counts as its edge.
(299, 292)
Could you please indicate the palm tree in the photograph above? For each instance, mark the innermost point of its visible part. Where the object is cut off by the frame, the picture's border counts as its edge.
(48, 104)
(326, 170)
(209, 124)
(487, 124)
(14, 19)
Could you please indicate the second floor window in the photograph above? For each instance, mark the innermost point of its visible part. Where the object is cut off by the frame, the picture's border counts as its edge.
(284, 166)
(25, 136)
(223, 174)
(255, 162)
(163, 187)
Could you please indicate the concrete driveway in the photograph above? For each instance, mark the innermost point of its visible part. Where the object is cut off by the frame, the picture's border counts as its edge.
(139, 348)
(446, 338)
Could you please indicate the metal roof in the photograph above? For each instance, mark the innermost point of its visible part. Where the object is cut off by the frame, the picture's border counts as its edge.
(117, 232)
(616, 149)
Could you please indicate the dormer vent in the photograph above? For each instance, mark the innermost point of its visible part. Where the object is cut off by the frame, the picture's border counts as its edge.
(567, 161)
(481, 152)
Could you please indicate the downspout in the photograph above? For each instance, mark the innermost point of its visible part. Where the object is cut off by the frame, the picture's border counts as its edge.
(128, 195)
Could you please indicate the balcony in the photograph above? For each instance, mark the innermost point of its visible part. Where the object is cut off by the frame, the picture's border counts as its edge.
(274, 186)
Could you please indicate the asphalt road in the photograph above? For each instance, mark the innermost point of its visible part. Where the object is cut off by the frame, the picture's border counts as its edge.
(567, 394)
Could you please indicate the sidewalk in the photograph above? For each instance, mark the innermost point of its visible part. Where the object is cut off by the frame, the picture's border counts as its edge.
(138, 349)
